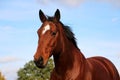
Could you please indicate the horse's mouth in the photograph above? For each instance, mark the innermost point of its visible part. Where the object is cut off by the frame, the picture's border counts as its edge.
(39, 64)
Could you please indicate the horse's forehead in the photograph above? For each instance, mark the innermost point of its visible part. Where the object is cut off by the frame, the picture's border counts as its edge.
(46, 28)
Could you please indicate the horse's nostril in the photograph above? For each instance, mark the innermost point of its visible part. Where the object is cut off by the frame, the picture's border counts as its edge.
(41, 60)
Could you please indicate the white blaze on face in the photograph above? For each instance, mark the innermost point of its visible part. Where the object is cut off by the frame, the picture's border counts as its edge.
(46, 28)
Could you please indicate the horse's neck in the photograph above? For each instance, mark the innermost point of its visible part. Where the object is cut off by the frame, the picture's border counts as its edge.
(68, 61)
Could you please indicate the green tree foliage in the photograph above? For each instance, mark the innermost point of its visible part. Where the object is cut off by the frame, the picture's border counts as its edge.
(31, 72)
(1, 76)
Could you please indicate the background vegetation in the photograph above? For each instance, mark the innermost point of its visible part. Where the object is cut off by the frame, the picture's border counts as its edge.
(31, 72)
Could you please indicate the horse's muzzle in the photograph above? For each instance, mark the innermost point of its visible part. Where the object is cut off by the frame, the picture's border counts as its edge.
(39, 63)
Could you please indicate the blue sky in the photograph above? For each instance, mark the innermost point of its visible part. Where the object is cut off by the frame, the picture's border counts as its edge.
(96, 25)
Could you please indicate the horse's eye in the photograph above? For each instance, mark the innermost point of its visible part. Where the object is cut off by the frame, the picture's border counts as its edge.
(53, 33)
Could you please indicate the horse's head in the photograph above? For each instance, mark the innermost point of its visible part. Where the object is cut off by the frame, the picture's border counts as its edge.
(54, 38)
(49, 38)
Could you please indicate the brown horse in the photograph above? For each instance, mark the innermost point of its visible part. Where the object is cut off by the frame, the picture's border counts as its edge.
(70, 64)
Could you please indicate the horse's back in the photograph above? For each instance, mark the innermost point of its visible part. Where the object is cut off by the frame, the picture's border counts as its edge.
(102, 69)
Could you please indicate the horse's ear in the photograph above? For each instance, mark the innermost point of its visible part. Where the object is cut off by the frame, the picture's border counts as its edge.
(42, 16)
(57, 15)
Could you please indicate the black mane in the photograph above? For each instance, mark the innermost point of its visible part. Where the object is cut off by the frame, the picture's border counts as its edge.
(68, 32)
(70, 35)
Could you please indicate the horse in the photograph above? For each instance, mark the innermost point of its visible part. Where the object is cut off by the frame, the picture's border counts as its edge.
(57, 40)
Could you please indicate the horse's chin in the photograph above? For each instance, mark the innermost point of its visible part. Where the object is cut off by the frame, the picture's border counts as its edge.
(41, 66)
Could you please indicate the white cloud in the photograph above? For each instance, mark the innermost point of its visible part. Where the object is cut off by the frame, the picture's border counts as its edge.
(109, 44)
(72, 2)
(7, 59)
(65, 2)
(115, 3)
(78, 2)
(119, 54)
(5, 28)
(9, 66)
(9, 72)
(44, 1)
